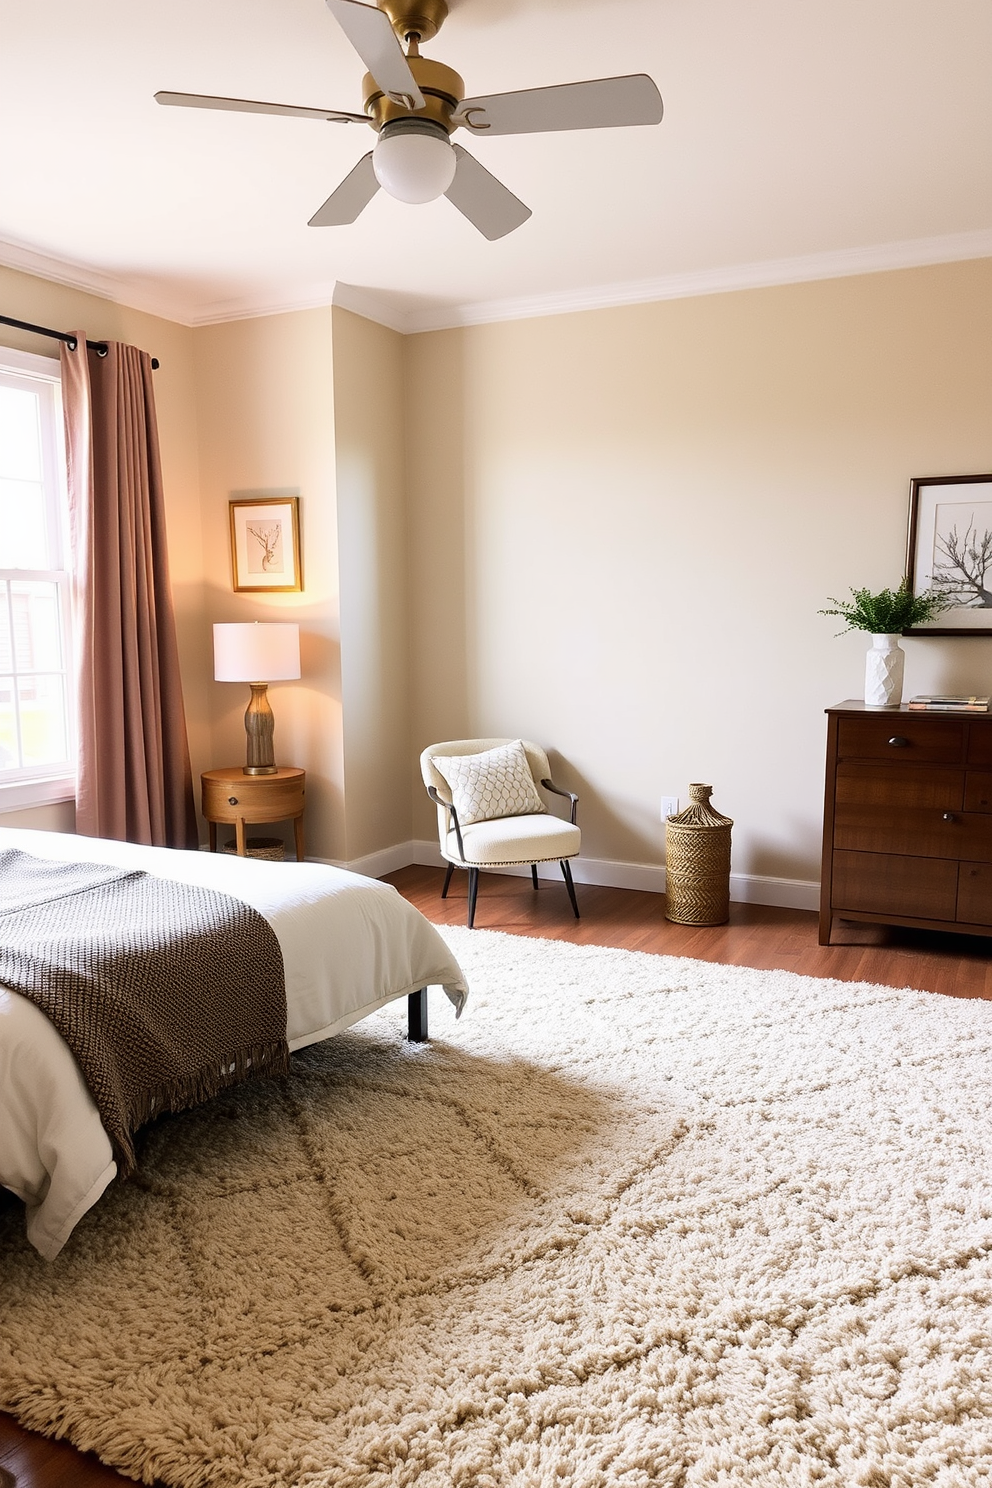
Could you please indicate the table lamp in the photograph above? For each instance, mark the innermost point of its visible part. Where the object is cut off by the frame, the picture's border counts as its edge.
(257, 653)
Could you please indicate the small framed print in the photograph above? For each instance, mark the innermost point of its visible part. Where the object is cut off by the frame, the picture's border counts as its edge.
(950, 550)
(265, 544)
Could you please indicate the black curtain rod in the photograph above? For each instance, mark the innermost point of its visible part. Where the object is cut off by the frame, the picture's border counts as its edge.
(100, 347)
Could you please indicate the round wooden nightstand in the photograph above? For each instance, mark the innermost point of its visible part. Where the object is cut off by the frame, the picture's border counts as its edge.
(229, 795)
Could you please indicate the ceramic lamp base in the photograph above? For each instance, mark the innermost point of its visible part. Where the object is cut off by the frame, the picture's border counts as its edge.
(260, 727)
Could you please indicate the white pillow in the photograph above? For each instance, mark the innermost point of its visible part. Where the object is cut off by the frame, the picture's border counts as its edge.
(490, 785)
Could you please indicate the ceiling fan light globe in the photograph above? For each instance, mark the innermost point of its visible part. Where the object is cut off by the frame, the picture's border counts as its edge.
(414, 167)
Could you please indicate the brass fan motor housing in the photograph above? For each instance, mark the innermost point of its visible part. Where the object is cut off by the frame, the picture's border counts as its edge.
(441, 86)
(421, 18)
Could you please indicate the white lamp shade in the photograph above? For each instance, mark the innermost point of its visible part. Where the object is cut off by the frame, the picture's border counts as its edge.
(256, 652)
(414, 167)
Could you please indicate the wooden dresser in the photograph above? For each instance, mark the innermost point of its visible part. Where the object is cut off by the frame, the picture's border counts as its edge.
(907, 821)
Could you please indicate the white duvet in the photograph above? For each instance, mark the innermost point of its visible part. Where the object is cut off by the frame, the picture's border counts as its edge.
(349, 945)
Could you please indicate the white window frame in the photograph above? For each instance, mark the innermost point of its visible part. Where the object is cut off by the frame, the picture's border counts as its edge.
(28, 788)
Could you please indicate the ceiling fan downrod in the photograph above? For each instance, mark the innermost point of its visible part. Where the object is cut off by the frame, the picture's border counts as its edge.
(415, 18)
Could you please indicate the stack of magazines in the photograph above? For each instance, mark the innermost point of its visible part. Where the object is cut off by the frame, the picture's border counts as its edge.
(931, 703)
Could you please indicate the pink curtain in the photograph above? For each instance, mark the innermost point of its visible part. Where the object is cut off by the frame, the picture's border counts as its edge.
(134, 780)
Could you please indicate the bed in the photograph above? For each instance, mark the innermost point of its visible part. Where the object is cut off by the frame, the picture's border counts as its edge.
(349, 946)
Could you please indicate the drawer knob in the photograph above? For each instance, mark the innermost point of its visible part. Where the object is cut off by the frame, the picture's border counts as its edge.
(899, 742)
(232, 800)
(949, 816)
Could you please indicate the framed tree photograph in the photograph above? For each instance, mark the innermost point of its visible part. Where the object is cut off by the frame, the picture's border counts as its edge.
(265, 543)
(950, 550)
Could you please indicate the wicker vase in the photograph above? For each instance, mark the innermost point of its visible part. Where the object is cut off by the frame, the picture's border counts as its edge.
(697, 853)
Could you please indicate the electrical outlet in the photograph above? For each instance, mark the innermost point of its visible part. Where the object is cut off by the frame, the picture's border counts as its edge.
(669, 806)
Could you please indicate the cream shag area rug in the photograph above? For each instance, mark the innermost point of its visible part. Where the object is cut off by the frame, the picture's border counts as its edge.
(633, 1221)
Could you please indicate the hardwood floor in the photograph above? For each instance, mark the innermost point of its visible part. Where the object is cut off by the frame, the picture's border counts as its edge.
(757, 935)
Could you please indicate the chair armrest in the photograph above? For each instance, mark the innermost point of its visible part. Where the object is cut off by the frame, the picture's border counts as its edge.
(550, 785)
(453, 814)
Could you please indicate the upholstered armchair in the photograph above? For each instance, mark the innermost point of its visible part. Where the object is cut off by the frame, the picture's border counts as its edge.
(491, 814)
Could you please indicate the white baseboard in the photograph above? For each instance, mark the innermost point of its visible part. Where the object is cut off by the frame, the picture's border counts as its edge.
(378, 864)
(745, 888)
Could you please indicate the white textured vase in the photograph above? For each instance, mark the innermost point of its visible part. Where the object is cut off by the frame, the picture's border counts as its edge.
(884, 666)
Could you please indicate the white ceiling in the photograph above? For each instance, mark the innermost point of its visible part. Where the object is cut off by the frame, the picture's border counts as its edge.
(801, 138)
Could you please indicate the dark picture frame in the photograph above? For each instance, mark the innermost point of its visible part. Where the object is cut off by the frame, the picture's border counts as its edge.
(949, 548)
(265, 544)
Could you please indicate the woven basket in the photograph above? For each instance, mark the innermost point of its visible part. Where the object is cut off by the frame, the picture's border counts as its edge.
(272, 848)
(697, 854)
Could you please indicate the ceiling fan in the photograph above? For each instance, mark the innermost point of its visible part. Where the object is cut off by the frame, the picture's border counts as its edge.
(415, 105)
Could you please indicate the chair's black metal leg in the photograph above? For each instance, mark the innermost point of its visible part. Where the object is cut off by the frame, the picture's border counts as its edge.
(416, 1006)
(473, 894)
(533, 873)
(566, 870)
(447, 880)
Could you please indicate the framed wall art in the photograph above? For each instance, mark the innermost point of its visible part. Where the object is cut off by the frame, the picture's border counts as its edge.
(950, 550)
(265, 543)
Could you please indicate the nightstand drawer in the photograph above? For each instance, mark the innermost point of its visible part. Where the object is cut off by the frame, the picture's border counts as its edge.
(879, 883)
(226, 801)
(902, 737)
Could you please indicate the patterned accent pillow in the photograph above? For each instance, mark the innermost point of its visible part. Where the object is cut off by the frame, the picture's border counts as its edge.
(490, 785)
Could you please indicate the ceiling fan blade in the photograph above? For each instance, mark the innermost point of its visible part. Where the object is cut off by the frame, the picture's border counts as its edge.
(604, 103)
(251, 106)
(487, 203)
(371, 33)
(350, 199)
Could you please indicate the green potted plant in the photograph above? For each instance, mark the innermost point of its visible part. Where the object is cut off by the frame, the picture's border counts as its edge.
(885, 615)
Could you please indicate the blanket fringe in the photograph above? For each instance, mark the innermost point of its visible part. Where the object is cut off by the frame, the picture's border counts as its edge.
(254, 1060)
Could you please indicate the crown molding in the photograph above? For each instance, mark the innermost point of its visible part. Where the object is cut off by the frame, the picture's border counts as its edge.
(838, 264)
(118, 289)
(381, 305)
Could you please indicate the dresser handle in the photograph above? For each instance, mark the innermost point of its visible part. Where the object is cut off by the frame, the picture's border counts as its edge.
(899, 742)
(232, 800)
(949, 816)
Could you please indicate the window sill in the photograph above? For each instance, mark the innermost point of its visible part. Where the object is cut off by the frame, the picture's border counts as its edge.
(21, 795)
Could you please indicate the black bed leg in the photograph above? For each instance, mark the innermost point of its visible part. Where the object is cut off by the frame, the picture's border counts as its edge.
(417, 1016)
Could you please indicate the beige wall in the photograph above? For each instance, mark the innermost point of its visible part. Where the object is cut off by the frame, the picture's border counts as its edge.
(623, 523)
(369, 407)
(608, 531)
(251, 406)
(41, 302)
(265, 401)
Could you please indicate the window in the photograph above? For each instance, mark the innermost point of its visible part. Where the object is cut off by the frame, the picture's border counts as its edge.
(37, 757)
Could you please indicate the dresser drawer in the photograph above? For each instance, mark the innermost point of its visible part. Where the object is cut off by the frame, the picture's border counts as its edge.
(978, 790)
(901, 737)
(980, 742)
(917, 833)
(975, 893)
(879, 883)
(862, 784)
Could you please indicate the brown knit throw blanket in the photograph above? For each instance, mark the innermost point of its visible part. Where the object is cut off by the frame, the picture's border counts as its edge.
(165, 992)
